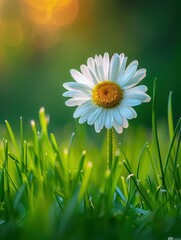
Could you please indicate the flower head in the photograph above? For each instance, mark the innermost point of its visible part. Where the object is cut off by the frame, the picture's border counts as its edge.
(105, 93)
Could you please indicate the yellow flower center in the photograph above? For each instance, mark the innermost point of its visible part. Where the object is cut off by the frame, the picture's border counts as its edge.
(107, 94)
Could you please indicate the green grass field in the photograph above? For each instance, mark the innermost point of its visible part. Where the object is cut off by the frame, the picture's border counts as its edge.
(60, 188)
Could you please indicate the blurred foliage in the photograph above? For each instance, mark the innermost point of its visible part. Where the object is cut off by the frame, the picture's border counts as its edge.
(56, 188)
(41, 45)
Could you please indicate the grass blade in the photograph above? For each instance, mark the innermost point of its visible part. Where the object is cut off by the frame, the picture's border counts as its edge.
(155, 134)
(172, 144)
(170, 117)
(11, 134)
(140, 158)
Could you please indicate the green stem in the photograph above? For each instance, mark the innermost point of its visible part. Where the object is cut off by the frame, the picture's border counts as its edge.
(110, 148)
(110, 166)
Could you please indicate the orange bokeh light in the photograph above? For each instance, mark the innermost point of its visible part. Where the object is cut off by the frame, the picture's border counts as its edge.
(62, 2)
(11, 33)
(43, 4)
(64, 14)
(33, 14)
(47, 17)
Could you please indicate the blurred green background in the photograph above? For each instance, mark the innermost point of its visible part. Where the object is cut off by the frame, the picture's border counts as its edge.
(34, 64)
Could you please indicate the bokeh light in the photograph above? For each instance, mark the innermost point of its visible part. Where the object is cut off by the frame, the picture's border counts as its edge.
(34, 15)
(65, 13)
(11, 33)
(45, 19)
(43, 4)
(63, 2)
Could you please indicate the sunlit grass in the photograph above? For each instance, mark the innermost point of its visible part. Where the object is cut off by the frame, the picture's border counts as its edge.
(59, 187)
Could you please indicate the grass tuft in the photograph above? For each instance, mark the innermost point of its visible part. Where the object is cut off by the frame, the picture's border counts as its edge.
(51, 192)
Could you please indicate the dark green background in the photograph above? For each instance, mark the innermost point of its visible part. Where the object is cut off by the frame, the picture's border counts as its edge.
(144, 30)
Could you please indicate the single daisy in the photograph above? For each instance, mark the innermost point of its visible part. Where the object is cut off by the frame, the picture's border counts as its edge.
(105, 93)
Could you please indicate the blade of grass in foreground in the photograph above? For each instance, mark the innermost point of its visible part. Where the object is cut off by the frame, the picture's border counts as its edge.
(170, 117)
(56, 150)
(172, 144)
(21, 136)
(7, 196)
(140, 158)
(141, 189)
(12, 137)
(85, 178)
(171, 157)
(155, 133)
(152, 165)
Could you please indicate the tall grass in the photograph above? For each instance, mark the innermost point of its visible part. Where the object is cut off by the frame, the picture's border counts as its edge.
(51, 192)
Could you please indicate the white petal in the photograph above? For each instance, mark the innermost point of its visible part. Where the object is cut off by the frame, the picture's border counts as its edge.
(125, 123)
(93, 117)
(72, 93)
(106, 63)
(66, 86)
(92, 69)
(84, 108)
(109, 119)
(122, 68)
(114, 67)
(133, 112)
(97, 127)
(117, 116)
(75, 102)
(141, 88)
(121, 57)
(138, 76)
(133, 63)
(90, 63)
(128, 102)
(136, 95)
(79, 77)
(99, 59)
(117, 127)
(85, 71)
(98, 124)
(99, 67)
(128, 75)
(148, 99)
(76, 86)
(84, 118)
(103, 118)
(126, 112)
(123, 61)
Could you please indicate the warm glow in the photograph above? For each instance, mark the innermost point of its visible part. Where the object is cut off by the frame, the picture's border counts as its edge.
(33, 14)
(11, 33)
(63, 2)
(45, 20)
(43, 4)
(64, 14)
(1, 7)
(45, 36)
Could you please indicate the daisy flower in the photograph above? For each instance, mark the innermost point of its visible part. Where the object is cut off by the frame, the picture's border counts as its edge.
(105, 91)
